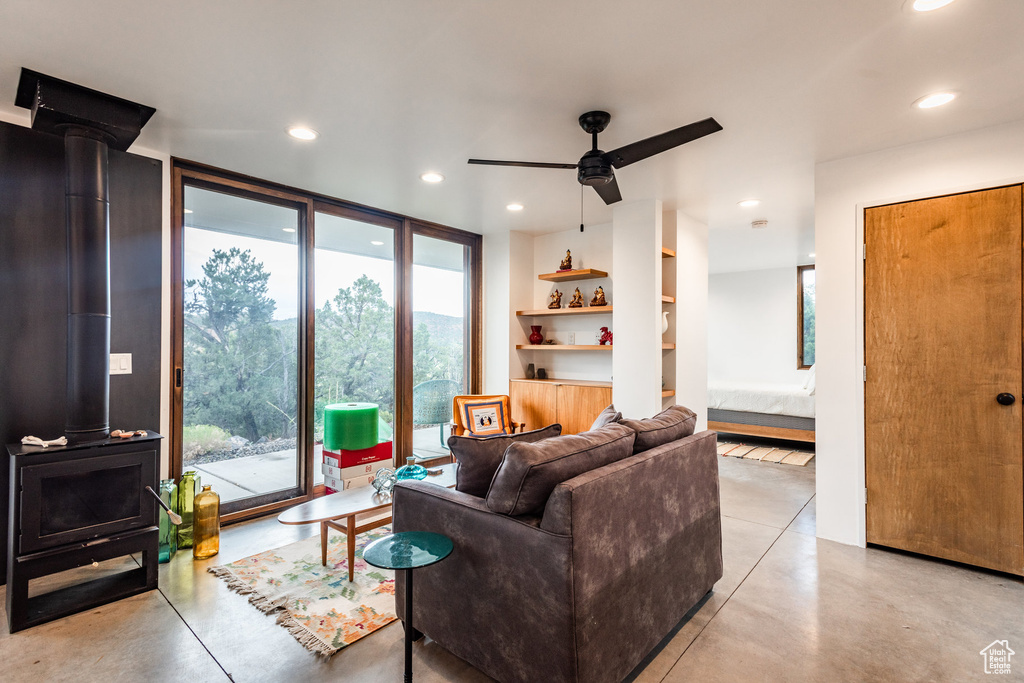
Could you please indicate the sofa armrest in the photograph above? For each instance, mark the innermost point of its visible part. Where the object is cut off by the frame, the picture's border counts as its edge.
(506, 587)
(647, 545)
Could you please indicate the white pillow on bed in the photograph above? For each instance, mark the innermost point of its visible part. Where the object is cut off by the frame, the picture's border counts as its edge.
(809, 384)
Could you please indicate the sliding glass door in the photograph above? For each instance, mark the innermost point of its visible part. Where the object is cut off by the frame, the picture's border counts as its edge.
(240, 355)
(285, 302)
(354, 294)
(440, 339)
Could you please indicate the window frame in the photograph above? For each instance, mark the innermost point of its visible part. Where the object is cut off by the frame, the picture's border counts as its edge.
(184, 172)
(800, 364)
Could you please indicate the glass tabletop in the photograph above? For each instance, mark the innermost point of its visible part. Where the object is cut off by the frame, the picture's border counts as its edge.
(408, 550)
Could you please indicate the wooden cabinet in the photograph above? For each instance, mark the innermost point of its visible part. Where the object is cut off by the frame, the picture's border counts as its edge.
(574, 404)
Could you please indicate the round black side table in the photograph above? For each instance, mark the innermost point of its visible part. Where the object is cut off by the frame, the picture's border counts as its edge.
(405, 551)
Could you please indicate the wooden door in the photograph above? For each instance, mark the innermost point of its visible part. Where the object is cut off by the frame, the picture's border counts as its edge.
(579, 406)
(942, 320)
(533, 403)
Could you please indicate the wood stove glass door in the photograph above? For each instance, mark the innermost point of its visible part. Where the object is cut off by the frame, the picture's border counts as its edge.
(240, 407)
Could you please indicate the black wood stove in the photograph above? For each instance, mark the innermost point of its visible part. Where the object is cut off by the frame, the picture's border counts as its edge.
(76, 505)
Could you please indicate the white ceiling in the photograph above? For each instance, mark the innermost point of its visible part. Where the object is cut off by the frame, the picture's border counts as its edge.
(400, 87)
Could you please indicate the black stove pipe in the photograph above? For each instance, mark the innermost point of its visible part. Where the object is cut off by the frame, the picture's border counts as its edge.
(88, 240)
(91, 123)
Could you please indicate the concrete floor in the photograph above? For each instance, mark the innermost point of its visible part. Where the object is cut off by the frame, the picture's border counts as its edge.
(789, 608)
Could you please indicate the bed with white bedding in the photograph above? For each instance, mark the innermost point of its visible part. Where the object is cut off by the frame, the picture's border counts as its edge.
(779, 411)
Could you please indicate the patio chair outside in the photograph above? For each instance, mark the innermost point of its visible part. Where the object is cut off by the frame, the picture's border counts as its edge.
(432, 403)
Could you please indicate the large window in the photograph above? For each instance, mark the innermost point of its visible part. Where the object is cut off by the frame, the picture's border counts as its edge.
(239, 357)
(805, 316)
(286, 302)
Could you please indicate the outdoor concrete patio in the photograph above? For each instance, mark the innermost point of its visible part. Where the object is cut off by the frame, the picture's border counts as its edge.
(252, 475)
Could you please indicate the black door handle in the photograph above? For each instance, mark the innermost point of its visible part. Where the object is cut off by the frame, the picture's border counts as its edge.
(1005, 399)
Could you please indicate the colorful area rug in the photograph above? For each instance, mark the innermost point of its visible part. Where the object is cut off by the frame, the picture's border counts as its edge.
(786, 456)
(317, 604)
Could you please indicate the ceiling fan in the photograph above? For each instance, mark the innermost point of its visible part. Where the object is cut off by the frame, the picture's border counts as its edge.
(595, 167)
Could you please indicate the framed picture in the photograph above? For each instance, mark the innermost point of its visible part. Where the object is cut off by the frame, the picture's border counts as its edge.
(486, 419)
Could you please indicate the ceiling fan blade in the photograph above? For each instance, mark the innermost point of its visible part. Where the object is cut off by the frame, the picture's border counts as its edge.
(609, 192)
(638, 151)
(527, 164)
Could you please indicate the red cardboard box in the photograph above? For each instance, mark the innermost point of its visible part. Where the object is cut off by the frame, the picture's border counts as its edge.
(346, 459)
(353, 465)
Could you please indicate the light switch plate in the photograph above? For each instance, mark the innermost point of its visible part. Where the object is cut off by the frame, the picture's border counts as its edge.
(572, 338)
(120, 364)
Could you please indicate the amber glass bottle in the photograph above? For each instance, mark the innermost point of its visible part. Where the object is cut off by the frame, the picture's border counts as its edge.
(206, 538)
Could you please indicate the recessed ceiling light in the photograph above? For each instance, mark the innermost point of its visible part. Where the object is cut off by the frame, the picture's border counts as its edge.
(749, 202)
(301, 133)
(935, 100)
(376, 243)
(514, 207)
(811, 254)
(288, 229)
(929, 5)
(431, 177)
(188, 210)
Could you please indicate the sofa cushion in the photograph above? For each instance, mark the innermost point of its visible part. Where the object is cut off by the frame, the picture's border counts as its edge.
(479, 457)
(607, 416)
(529, 472)
(668, 425)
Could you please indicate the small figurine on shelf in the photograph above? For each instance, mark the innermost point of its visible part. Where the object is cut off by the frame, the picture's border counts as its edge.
(599, 299)
(556, 300)
(566, 262)
(606, 337)
(577, 299)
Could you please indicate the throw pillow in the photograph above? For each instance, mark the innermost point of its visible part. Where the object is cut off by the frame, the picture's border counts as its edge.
(668, 425)
(485, 417)
(529, 472)
(479, 458)
(607, 416)
(809, 384)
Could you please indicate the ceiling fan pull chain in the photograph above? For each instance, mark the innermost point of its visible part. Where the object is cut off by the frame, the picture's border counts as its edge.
(581, 208)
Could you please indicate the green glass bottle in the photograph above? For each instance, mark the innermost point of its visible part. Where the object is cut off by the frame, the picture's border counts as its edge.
(168, 530)
(187, 489)
(207, 525)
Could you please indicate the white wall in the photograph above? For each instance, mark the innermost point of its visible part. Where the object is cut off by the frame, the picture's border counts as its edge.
(691, 315)
(496, 313)
(636, 260)
(752, 327)
(984, 158)
(688, 317)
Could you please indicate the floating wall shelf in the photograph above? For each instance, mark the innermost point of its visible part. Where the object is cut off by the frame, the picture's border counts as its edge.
(565, 311)
(563, 347)
(667, 347)
(665, 299)
(668, 394)
(667, 253)
(567, 275)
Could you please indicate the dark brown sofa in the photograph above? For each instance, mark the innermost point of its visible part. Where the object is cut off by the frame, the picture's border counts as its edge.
(583, 591)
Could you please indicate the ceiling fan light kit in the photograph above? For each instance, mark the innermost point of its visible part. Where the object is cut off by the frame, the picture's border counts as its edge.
(596, 167)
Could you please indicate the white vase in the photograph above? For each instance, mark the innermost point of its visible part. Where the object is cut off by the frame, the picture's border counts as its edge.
(664, 322)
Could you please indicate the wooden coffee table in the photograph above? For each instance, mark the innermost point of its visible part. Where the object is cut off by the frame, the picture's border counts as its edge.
(352, 512)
